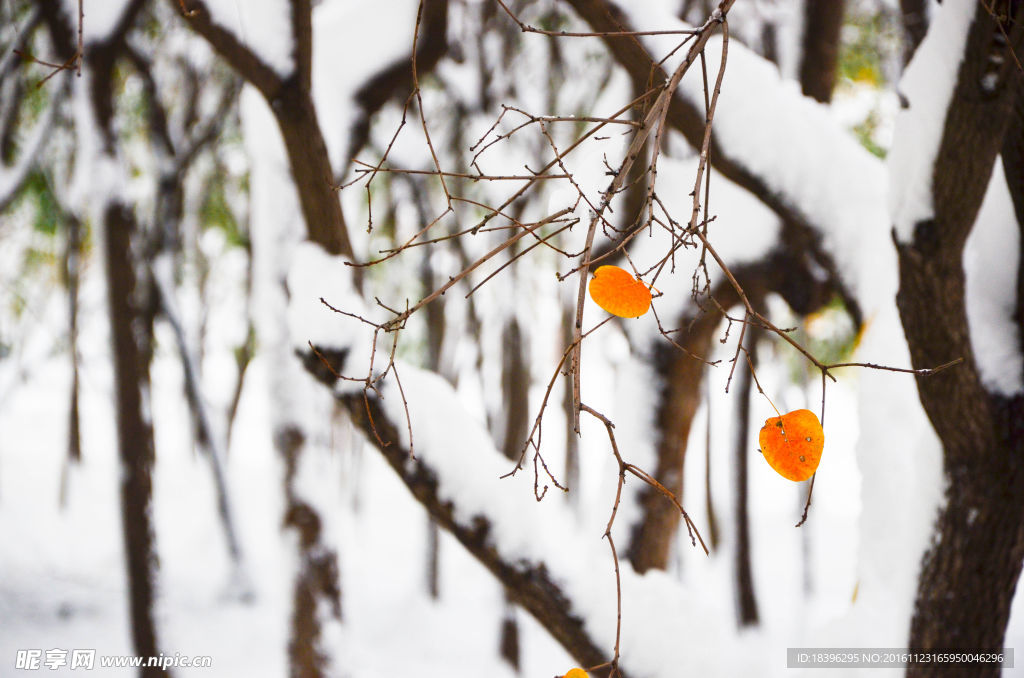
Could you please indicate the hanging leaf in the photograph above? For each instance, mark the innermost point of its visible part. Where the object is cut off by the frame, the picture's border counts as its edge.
(792, 444)
(576, 673)
(618, 292)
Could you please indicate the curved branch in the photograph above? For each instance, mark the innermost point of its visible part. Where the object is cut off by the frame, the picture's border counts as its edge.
(395, 79)
(537, 551)
(247, 63)
(734, 163)
(12, 178)
(291, 102)
(529, 584)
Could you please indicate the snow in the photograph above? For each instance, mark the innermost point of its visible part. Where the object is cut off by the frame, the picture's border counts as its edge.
(264, 26)
(927, 84)
(991, 261)
(100, 17)
(95, 174)
(846, 578)
(313, 275)
(343, 30)
(657, 611)
(792, 143)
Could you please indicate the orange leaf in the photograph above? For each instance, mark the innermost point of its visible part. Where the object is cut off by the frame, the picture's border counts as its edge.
(792, 444)
(618, 292)
(576, 673)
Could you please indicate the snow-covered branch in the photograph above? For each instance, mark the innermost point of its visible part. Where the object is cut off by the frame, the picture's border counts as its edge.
(257, 68)
(560, 572)
(290, 99)
(961, 87)
(787, 150)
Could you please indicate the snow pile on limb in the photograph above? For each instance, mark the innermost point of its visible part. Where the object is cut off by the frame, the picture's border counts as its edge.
(791, 143)
(345, 329)
(563, 575)
(927, 87)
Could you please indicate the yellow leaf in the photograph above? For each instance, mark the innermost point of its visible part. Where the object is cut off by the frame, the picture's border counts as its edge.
(792, 444)
(618, 292)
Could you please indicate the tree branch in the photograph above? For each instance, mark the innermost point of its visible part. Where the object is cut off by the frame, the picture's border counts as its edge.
(529, 584)
(689, 119)
(395, 79)
(291, 103)
(246, 62)
(969, 574)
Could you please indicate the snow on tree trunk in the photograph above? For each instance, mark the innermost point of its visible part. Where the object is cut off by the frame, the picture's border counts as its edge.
(968, 576)
(132, 331)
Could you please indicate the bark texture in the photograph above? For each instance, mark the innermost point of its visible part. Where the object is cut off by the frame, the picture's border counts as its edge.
(969, 575)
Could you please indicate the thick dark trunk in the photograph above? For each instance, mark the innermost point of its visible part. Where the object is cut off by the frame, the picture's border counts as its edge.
(915, 25)
(822, 21)
(131, 329)
(653, 537)
(968, 579)
(968, 576)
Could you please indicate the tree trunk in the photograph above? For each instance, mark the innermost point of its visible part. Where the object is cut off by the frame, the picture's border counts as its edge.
(653, 537)
(787, 272)
(311, 169)
(131, 330)
(72, 269)
(515, 390)
(915, 26)
(969, 575)
(822, 21)
(317, 575)
(291, 102)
